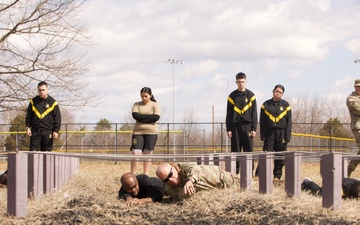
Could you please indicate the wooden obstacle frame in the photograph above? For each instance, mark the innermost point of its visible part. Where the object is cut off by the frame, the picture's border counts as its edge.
(33, 174)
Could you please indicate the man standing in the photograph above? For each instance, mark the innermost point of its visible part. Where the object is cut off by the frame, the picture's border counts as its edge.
(140, 189)
(241, 117)
(353, 104)
(43, 120)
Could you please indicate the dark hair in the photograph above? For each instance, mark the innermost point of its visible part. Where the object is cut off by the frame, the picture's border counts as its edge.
(279, 86)
(148, 90)
(42, 83)
(241, 75)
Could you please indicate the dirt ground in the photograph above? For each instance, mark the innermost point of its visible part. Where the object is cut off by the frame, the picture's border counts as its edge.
(90, 197)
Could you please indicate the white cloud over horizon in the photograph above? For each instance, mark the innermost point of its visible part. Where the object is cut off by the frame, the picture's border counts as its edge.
(307, 46)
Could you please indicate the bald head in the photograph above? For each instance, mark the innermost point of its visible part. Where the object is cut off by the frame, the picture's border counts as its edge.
(129, 183)
(163, 170)
(168, 174)
(127, 178)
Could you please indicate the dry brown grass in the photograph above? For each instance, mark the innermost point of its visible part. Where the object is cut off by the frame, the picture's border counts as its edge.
(90, 197)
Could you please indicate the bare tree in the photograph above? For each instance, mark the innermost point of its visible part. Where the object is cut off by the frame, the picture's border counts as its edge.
(41, 40)
(309, 113)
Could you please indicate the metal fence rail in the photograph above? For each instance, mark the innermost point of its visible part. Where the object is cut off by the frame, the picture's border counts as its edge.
(182, 138)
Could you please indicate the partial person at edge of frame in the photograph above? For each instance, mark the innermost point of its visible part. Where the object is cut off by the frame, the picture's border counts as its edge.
(241, 118)
(353, 104)
(185, 179)
(350, 188)
(43, 120)
(275, 128)
(140, 189)
(145, 132)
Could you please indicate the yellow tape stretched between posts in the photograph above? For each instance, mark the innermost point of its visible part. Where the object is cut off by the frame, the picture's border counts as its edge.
(165, 132)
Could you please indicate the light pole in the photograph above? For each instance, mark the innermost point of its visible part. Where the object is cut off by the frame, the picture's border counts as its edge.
(173, 62)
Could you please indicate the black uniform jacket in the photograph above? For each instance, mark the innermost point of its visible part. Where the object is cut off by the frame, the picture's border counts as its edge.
(149, 187)
(43, 114)
(241, 108)
(275, 115)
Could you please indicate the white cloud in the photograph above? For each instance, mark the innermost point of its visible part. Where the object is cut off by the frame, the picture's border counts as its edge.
(353, 46)
(289, 42)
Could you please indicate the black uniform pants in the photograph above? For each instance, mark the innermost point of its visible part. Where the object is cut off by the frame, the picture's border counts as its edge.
(241, 141)
(275, 142)
(41, 140)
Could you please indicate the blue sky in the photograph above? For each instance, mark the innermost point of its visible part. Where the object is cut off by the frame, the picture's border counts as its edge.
(307, 46)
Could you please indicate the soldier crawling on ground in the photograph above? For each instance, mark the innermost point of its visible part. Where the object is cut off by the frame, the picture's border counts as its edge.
(350, 187)
(184, 179)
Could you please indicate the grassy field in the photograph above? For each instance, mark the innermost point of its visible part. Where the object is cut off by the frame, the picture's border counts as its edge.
(90, 197)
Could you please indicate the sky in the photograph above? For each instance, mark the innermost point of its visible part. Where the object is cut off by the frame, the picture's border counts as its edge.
(307, 46)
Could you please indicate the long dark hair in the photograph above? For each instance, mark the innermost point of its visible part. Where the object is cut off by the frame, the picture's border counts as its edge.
(148, 90)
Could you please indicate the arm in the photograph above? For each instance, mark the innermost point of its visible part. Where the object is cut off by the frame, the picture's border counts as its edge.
(229, 114)
(28, 120)
(353, 105)
(57, 119)
(192, 172)
(288, 127)
(262, 123)
(57, 122)
(254, 116)
(145, 118)
(136, 201)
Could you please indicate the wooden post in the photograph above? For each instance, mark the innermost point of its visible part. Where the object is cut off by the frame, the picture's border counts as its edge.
(49, 173)
(230, 163)
(292, 174)
(266, 173)
(36, 175)
(17, 195)
(245, 171)
(331, 169)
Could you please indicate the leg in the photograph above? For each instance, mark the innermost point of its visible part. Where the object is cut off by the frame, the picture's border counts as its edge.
(278, 167)
(46, 140)
(235, 144)
(149, 145)
(35, 141)
(135, 163)
(268, 145)
(280, 146)
(136, 148)
(147, 162)
(353, 163)
(247, 140)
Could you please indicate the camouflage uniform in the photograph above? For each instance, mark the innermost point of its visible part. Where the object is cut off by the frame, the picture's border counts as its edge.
(206, 177)
(353, 104)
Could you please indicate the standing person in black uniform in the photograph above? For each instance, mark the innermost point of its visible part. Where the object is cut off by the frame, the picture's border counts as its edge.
(275, 127)
(241, 117)
(43, 120)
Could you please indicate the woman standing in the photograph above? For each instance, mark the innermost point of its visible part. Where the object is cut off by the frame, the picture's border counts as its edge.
(275, 126)
(145, 132)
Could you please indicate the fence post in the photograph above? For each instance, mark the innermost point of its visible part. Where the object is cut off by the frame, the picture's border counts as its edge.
(266, 173)
(17, 195)
(245, 171)
(230, 163)
(345, 164)
(49, 173)
(331, 168)
(36, 175)
(292, 174)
